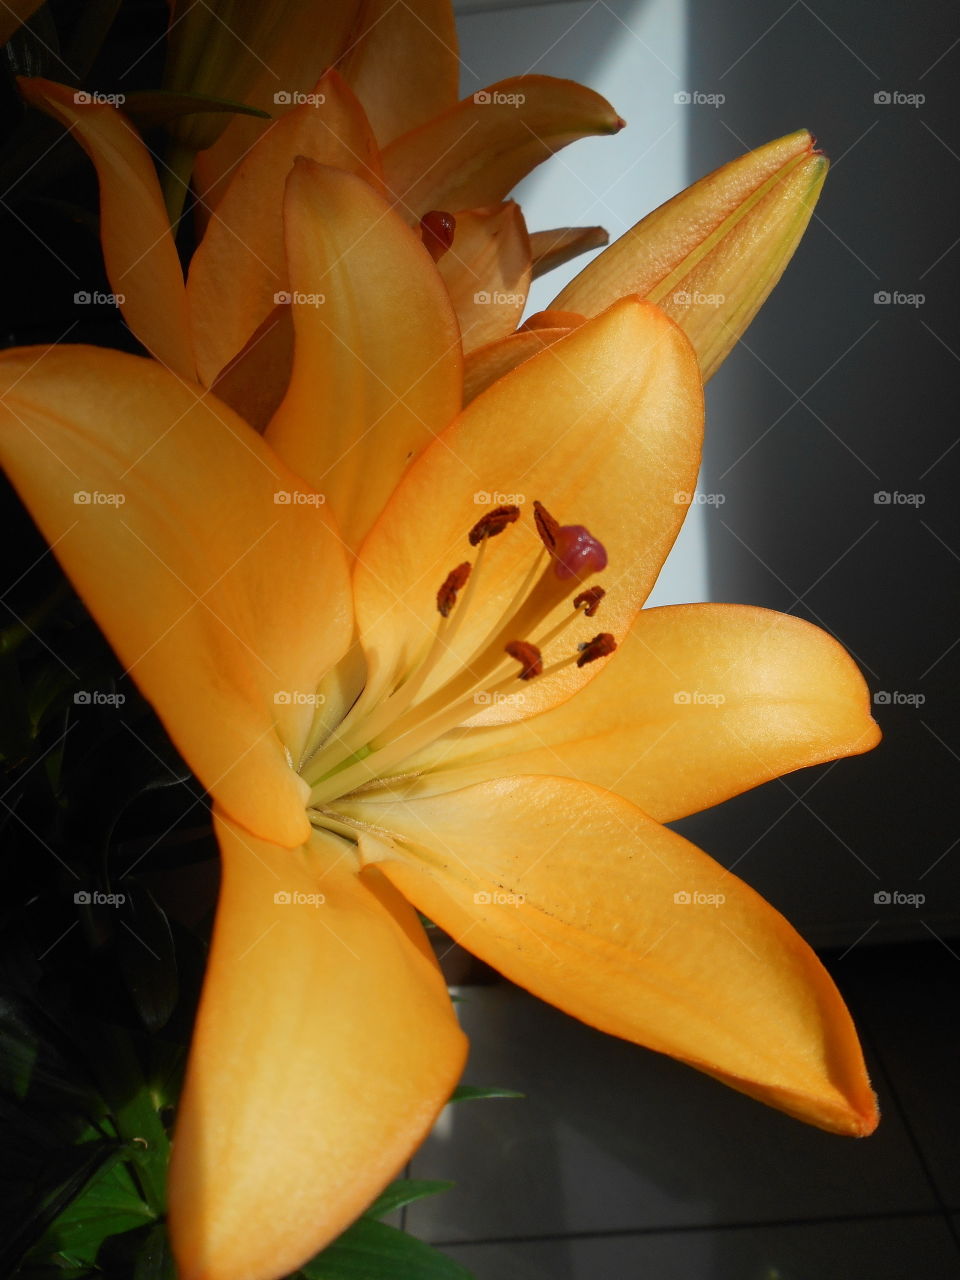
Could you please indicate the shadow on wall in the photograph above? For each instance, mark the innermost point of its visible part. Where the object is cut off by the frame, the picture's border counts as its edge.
(832, 434)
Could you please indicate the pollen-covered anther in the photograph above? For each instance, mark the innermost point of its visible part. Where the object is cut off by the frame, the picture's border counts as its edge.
(437, 229)
(492, 523)
(528, 655)
(454, 582)
(590, 599)
(547, 527)
(599, 647)
(577, 553)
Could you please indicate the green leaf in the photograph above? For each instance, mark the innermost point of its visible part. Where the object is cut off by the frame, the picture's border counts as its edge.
(149, 108)
(405, 1191)
(469, 1092)
(74, 1170)
(373, 1251)
(110, 1204)
(143, 1254)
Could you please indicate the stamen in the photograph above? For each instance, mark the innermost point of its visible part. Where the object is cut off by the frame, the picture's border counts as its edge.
(599, 647)
(437, 229)
(455, 580)
(547, 527)
(591, 598)
(492, 523)
(577, 553)
(528, 655)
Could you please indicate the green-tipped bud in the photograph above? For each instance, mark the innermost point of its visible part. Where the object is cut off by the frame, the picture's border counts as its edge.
(710, 256)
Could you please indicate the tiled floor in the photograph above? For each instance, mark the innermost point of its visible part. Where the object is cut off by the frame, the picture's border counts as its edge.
(621, 1165)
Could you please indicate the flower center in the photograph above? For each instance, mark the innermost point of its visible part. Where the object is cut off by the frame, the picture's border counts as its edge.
(374, 742)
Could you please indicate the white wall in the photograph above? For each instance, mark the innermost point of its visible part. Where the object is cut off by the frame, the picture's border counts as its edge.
(634, 53)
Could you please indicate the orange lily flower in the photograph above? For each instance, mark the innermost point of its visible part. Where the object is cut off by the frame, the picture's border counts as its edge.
(227, 314)
(383, 664)
(708, 258)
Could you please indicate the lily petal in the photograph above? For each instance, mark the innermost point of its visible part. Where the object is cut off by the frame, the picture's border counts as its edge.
(241, 257)
(377, 364)
(553, 248)
(308, 41)
(487, 272)
(484, 365)
(475, 153)
(138, 248)
(255, 381)
(700, 703)
(403, 63)
(712, 254)
(603, 427)
(14, 15)
(573, 893)
(324, 1047)
(222, 603)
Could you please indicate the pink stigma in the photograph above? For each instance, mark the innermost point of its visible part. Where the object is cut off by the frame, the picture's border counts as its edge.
(577, 552)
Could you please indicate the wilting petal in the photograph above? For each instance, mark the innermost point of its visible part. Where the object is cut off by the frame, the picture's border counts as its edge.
(138, 249)
(222, 603)
(584, 900)
(602, 427)
(701, 702)
(402, 63)
(475, 153)
(308, 41)
(239, 268)
(487, 272)
(377, 365)
(711, 255)
(324, 1047)
(482, 367)
(551, 249)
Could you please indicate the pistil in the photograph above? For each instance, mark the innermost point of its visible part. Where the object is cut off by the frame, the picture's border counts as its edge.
(404, 723)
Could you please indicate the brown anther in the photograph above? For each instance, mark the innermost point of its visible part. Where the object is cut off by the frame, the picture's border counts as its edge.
(455, 581)
(494, 522)
(547, 527)
(436, 231)
(528, 655)
(599, 647)
(591, 598)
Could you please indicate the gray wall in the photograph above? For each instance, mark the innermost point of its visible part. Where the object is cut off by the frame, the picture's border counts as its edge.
(833, 398)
